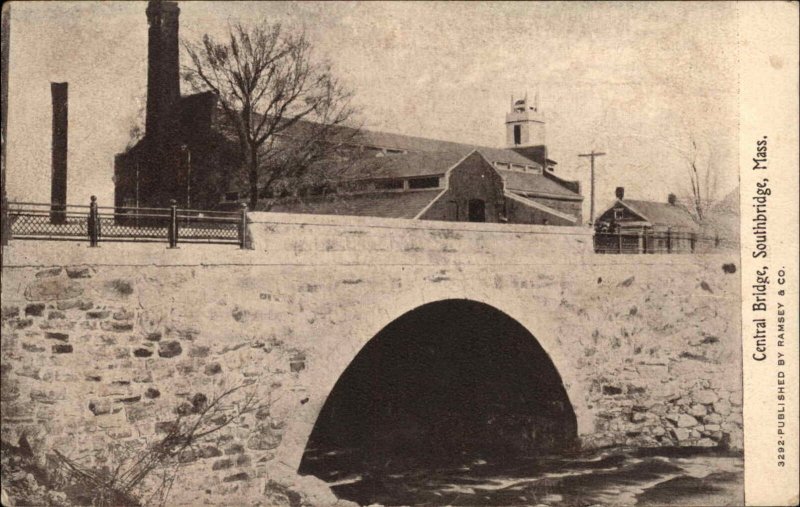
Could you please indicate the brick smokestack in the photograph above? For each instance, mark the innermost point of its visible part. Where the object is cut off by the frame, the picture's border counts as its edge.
(58, 189)
(163, 72)
(620, 193)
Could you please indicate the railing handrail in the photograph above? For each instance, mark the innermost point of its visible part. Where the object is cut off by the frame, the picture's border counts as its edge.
(46, 207)
(71, 221)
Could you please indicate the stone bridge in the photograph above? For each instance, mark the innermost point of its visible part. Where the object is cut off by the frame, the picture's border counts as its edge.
(101, 346)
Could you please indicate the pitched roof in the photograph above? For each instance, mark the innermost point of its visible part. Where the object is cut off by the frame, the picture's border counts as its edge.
(537, 205)
(412, 144)
(661, 213)
(382, 204)
(539, 184)
(397, 166)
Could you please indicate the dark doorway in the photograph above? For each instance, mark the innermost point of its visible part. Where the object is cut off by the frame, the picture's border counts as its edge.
(477, 210)
(450, 381)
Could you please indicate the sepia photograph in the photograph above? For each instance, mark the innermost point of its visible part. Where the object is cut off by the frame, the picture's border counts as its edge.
(399, 253)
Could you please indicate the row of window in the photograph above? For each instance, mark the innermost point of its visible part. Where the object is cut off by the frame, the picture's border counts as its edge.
(518, 167)
(366, 186)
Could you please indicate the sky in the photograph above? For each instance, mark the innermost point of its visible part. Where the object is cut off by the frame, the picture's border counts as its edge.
(638, 81)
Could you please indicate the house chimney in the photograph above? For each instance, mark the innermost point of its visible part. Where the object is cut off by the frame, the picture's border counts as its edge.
(672, 199)
(620, 192)
(58, 188)
(163, 73)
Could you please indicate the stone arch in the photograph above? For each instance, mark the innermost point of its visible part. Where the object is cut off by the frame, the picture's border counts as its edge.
(543, 328)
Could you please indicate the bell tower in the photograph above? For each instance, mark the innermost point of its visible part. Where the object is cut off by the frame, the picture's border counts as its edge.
(524, 123)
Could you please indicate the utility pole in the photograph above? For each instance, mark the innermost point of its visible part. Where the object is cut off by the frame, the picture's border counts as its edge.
(591, 156)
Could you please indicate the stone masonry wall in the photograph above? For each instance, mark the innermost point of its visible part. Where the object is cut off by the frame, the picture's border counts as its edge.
(103, 349)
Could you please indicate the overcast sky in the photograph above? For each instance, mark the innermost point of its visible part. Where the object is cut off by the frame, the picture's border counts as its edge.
(637, 81)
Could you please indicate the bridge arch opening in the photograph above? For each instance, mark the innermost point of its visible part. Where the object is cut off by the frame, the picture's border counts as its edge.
(448, 382)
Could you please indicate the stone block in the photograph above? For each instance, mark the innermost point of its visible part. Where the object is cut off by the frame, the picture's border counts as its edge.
(116, 327)
(49, 397)
(697, 410)
(120, 287)
(32, 347)
(241, 476)
(98, 314)
(23, 323)
(212, 368)
(123, 314)
(10, 312)
(166, 426)
(62, 348)
(681, 434)
(722, 407)
(100, 407)
(79, 272)
(169, 349)
(45, 273)
(52, 289)
(199, 351)
(685, 421)
(712, 419)
(57, 336)
(82, 305)
(706, 442)
(142, 352)
(704, 397)
(152, 393)
(34, 309)
(637, 417)
(234, 449)
(222, 464)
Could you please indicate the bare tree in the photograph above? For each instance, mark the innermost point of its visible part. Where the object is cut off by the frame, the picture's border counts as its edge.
(123, 484)
(274, 93)
(703, 175)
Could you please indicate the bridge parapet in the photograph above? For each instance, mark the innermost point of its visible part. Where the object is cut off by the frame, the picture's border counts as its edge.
(101, 344)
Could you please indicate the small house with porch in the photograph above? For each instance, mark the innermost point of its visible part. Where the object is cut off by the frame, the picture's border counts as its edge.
(636, 226)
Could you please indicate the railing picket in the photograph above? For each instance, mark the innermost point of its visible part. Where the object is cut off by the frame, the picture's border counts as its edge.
(172, 232)
(243, 227)
(94, 223)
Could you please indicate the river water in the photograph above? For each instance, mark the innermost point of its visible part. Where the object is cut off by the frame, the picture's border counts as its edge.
(618, 476)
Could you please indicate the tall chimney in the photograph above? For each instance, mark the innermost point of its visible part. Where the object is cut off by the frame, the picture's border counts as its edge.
(58, 189)
(620, 193)
(163, 72)
(672, 199)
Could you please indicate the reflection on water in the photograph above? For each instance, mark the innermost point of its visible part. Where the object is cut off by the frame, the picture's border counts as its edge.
(676, 476)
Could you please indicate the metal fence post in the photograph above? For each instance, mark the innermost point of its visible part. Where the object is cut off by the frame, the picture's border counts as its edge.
(669, 240)
(172, 230)
(619, 241)
(692, 240)
(243, 227)
(93, 223)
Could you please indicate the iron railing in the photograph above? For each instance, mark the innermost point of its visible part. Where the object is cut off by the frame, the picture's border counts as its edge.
(653, 243)
(104, 223)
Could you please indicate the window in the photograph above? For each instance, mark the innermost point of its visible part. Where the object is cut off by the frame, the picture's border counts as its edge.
(477, 210)
(618, 213)
(424, 183)
(517, 134)
(389, 185)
